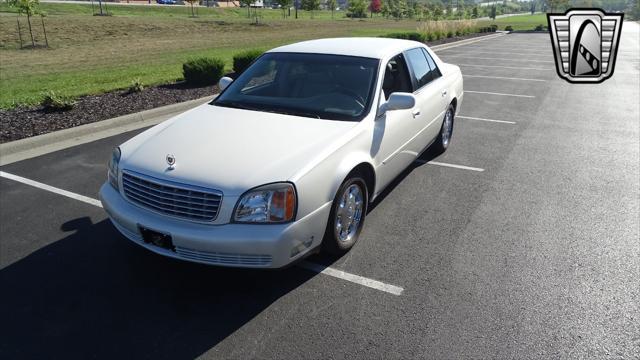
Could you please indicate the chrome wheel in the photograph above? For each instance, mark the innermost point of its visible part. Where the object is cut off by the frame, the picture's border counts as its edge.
(349, 213)
(447, 127)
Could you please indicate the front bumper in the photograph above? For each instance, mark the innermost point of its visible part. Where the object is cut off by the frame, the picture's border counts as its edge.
(236, 245)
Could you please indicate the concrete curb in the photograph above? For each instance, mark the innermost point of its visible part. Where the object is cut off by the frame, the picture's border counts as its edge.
(42, 144)
(437, 48)
(58, 140)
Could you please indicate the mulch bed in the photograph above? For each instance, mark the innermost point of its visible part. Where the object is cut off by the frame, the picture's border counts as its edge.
(458, 38)
(23, 122)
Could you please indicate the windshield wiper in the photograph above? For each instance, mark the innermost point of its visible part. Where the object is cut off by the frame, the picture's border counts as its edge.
(236, 105)
(239, 105)
(293, 113)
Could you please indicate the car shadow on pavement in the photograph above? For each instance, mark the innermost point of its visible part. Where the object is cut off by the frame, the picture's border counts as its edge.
(93, 294)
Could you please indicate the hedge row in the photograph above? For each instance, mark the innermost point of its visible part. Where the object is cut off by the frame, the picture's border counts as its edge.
(209, 70)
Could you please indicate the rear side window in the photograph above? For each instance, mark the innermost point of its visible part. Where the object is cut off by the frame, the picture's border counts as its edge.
(435, 72)
(419, 66)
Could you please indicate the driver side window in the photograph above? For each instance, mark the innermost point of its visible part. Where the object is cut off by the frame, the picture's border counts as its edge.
(396, 77)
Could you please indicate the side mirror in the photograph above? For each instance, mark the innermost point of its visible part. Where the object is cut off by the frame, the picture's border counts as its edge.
(224, 82)
(398, 101)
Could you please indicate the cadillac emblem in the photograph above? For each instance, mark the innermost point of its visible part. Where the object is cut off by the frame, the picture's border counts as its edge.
(171, 161)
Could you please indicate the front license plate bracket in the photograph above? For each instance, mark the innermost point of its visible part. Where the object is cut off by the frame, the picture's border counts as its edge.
(156, 238)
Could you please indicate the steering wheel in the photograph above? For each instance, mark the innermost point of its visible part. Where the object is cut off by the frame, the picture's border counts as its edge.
(353, 94)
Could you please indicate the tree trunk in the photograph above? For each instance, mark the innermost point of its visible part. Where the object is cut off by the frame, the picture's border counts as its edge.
(33, 43)
(100, 2)
(46, 41)
(19, 30)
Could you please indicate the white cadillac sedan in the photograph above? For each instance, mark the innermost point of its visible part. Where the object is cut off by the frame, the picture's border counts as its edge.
(286, 160)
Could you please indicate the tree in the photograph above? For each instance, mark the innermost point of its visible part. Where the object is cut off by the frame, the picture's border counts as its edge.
(246, 3)
(192, 2)
(474, 12)
(29, 8)
(437, 12)
(397, 8)
(533, 7)
(492, 14)
(357, 9)
(310, 5)
(285, 5)
(332, 4)
(375, 6)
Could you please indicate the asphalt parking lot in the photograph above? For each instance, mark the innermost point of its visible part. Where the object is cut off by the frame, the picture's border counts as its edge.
(521, 241)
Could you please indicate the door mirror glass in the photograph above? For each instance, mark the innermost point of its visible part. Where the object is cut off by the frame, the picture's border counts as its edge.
(224, 82)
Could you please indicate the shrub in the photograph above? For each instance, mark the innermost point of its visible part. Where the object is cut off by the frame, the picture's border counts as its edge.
(539, 27)
(442, 28)
(56, 102)
(493, 28)
(242, 60)
(429, 37)
(508, 28)
(458, 32)
(409, 35)
(203, 71)
(450, 34)
(136, 86)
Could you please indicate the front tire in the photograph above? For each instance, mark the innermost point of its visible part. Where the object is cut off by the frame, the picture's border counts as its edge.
(346, 219)
(446, 131)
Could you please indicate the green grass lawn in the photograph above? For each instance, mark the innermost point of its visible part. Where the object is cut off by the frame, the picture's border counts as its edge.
(520, 22)
(93, 54)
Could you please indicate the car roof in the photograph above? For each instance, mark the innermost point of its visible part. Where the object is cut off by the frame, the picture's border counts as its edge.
(377, 48)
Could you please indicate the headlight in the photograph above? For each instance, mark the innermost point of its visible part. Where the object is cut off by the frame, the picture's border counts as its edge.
(273, 203)
(113, 167)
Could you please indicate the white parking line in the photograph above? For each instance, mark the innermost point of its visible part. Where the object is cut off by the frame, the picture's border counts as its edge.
(502, 77)
(320, 269)
(463, 167)
(501, 59)
(527, 50)
(482, 119)
(52, 189)
(498, 94)
(357, 279)
(504, 67)
(501, 53)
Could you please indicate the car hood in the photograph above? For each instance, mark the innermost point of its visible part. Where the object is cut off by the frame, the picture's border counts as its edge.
(231, 150)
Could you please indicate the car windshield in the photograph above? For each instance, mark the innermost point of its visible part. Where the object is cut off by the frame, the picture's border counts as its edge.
(319, 86)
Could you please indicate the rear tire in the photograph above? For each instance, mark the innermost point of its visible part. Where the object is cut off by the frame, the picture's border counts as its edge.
(443, 139)
(347, 215)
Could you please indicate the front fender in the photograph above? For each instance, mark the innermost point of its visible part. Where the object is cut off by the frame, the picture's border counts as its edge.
(318, 186)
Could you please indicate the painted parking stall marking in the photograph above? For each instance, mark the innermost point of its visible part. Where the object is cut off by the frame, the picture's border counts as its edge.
(485, 120)
(500, 59)
(497, 94)
(455, 166)
(320, 269)
(357, 279)
(52, 189)
(503, 78)
(506, 67)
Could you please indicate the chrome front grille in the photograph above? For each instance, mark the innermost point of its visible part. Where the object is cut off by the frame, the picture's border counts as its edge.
(179, 200)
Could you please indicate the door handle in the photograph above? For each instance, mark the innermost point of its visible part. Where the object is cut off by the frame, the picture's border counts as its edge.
(444, 93)
(415, 112)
